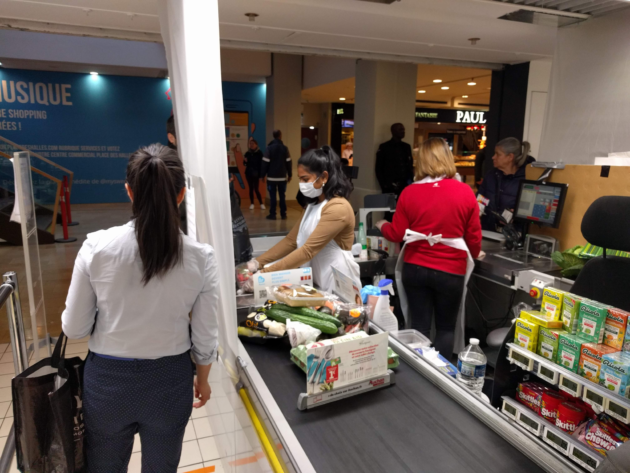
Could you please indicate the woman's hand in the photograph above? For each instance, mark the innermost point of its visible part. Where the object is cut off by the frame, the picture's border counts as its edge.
(203, 391)
(380, 223)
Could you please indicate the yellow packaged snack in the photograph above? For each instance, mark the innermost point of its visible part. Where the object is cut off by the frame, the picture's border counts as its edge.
(552, 302)
(544, 320)
(526, 334)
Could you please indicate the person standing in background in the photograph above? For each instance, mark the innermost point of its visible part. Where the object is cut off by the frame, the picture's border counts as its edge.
(253, 164)
(171, 133)
(276, 167)
(394, 162)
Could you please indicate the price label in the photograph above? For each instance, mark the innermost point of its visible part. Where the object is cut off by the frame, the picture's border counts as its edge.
(584, 458)
(529, 423)
(523, 361)
(569, 386)
(617, 411)
(594, 399)
(556, 441)
(509, 410)
(547, 374)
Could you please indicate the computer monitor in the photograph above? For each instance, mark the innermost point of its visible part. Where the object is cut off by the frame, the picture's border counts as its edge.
(541, 203)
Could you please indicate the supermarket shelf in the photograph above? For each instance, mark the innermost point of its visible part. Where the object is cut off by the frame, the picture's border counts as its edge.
(594, 394)
(579, 452)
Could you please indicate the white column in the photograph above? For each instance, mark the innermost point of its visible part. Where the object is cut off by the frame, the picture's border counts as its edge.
(537, 89)
(284, 107)
(385, 94)
(190, 30)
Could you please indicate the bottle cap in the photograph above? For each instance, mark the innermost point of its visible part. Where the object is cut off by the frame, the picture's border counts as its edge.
(474, 341)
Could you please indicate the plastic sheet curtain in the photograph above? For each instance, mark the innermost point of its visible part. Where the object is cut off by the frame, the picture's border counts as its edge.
(588, 112)
(190, 30)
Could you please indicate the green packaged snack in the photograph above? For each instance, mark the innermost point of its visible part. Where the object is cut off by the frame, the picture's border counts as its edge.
(592, 321)
(548, 342)
(571, 312)
(569, 351)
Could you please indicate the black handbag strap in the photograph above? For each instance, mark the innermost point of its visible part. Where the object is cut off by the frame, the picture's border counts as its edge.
(59, 354)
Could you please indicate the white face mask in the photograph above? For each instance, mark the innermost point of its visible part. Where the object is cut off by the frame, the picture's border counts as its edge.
(309, 190)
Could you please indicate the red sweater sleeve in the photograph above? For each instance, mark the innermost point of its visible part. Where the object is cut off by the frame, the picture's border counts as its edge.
(395, 231)
(472, 233)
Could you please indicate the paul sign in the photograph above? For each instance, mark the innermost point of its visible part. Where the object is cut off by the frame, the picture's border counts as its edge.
(470, 117)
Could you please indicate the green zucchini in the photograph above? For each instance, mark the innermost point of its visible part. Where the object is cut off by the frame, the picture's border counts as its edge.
(308, 312)
(282, 316)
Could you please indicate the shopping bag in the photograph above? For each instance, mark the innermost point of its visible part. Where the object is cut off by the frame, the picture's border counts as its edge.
(48, 415)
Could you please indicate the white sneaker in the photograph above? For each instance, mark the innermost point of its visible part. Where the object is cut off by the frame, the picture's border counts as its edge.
(262, 207)
(251, 207)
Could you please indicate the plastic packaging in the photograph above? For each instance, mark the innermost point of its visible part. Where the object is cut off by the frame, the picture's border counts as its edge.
(363, 241)
(300, 295)
(437, 360)
(301, 334)
(354, 317)
(471, 365)
(243, 274)
(369, 291)
(383, 315)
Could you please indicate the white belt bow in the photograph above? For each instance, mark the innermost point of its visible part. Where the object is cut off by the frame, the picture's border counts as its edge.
(411, 236)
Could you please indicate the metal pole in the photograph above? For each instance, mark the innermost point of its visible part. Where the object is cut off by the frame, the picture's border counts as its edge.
(16, 324)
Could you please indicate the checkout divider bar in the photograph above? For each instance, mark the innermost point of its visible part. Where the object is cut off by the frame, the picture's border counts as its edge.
(533, 448)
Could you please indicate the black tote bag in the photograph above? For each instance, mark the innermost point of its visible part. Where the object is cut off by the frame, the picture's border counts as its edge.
(48, 415)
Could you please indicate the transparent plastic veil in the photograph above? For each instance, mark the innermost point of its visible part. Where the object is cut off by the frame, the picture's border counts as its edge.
(190, 31)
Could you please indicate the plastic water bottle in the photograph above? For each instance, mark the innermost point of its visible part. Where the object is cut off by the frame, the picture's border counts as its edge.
(363, 241)
(471, 365)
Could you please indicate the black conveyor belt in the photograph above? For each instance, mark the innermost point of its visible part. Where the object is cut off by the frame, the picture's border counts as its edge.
(410, 427)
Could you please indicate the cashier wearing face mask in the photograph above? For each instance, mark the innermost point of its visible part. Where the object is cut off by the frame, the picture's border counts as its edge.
(323, 237)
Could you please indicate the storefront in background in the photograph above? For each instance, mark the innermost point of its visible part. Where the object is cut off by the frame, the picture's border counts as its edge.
(341, 126)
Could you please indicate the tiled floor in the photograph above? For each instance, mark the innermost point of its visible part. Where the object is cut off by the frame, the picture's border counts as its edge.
(219, 437)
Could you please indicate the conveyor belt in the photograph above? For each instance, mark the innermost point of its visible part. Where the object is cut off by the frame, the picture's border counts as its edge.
(410, 427)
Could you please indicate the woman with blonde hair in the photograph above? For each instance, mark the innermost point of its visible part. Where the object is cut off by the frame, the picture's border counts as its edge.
(438, 218)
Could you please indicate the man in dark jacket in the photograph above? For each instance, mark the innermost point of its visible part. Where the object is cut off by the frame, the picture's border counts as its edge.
(276, 166)
(394, 162)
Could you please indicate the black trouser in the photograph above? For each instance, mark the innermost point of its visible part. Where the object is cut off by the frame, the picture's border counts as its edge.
(281, 187)
(252, 182)
(433, 292)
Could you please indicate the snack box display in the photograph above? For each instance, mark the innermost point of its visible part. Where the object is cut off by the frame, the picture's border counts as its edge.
(552, 302)
(626, 342)
(544, 320)
(569, 350)
(592, 321)
(603, 433)
(591, 360)
(530, 394)
(549, 405)
(615, 373)
(571, 312)
(526, 334)
(569, 416)
(615, 328)
(548, 342)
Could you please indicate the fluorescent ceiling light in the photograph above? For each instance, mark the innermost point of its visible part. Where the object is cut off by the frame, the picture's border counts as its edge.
(472, 83)
(342, 98)
(94, 73)
(437, 81)
(464, 96)
(445, 88)
(422, 91)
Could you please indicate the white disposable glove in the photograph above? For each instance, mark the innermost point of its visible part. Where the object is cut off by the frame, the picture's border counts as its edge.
(253, 265)
(380, 223)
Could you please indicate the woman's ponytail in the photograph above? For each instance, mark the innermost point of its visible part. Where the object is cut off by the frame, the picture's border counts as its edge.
(156, 176)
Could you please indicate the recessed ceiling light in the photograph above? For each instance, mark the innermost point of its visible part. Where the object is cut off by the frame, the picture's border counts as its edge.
(439, 123)
(464, 96)
(445, 88)
(94, 73)
(311, 127)
(342, 98)
(437, 81)
(472, 82)
(422, 91)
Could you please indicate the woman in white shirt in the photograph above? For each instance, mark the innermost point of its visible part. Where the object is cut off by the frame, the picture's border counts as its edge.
(156, 292)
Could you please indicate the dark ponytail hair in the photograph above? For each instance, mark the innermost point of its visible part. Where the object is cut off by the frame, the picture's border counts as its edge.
(325, 159)
(155, 175)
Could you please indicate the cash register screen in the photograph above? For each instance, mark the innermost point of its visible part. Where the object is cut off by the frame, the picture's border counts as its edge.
(540, 203)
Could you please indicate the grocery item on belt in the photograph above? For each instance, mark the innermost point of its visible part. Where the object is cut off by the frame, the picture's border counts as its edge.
(569, 416)
(549, 405)
(592, 321)
(591, 360)
(526, 334)
(615, 373)
(282, 316)
(300, 333)
(530, 394)
(548, 342)
(298, 356)
(571, 312)
(437, 360)
(603, 434)
(300, 295)
(615, 327)
(569, 351)
(552, 302)
(352, 317)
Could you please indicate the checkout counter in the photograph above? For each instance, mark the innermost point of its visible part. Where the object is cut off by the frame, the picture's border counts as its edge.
(426, 421)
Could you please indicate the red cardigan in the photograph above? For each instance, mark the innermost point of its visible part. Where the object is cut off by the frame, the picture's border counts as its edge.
(447, 207)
